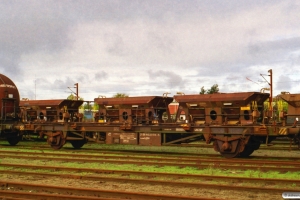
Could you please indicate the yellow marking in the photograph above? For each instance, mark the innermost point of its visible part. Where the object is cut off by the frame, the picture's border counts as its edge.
(283, 131)
(254, 105)
(245, 108)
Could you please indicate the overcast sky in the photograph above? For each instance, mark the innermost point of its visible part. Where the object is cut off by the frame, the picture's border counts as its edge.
(148, 47)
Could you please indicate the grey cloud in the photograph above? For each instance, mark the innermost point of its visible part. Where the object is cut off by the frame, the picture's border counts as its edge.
(273, 52)
(57, 83)
(162, 41)
(285, 83)
(27, 27)
(101, 75)
(169, 33)
(168, 77)
(45, 89)
(274, 47)
(296, 60)
(115, 44)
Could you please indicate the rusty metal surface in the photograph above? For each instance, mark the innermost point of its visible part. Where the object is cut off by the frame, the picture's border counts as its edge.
(8, 90)
(155, 101)
(291, 99)
(150, 139)
(53, 102)
(133, 110)
(293, 111)
(27, 103)
(129, 138)
(112, 138)
(241, 98)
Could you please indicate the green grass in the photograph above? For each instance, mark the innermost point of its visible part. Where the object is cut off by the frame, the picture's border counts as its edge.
(170, 169)
(211, 170)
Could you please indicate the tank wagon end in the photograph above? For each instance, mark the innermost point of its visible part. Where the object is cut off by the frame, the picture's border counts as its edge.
(11, 128)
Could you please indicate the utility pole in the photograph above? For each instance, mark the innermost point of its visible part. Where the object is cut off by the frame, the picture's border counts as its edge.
(77, 95)
(271, 88)
(35, 89)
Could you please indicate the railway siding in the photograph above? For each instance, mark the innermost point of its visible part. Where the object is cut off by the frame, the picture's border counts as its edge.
(94, 170)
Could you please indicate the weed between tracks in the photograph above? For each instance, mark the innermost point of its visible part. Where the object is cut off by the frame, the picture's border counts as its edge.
(188, 170)
(211, 170)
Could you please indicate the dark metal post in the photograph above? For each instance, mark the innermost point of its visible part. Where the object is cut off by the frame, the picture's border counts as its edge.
(271, 89)
(77, 95)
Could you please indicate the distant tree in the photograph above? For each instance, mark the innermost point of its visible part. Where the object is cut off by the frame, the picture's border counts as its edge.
(87, 106)
(202, 90)
(95, 106)
(90, 106)
(73, 97)
(120, 95)
(212, 90)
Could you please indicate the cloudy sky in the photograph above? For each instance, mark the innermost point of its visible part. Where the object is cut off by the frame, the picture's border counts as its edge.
(148, 47)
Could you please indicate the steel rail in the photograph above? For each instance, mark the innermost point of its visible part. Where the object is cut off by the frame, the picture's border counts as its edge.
(177, 183)
(198, 164)
(76, 191)
(141, 173)
(13, 195)
(274, 146)
(133, 152)
(182, 159)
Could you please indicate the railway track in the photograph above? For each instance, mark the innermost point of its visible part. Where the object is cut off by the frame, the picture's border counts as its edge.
(118, 177)
(151, 177)
(236, 164)
(158, 158)
(165, 153)
(41, 191)
(268, 186)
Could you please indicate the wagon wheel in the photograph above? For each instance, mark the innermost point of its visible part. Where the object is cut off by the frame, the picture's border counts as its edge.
(13, 140)
(77, 144)
(252, 145)
(57, 141)
(297, 141)
(248, 150)
(228, 154)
